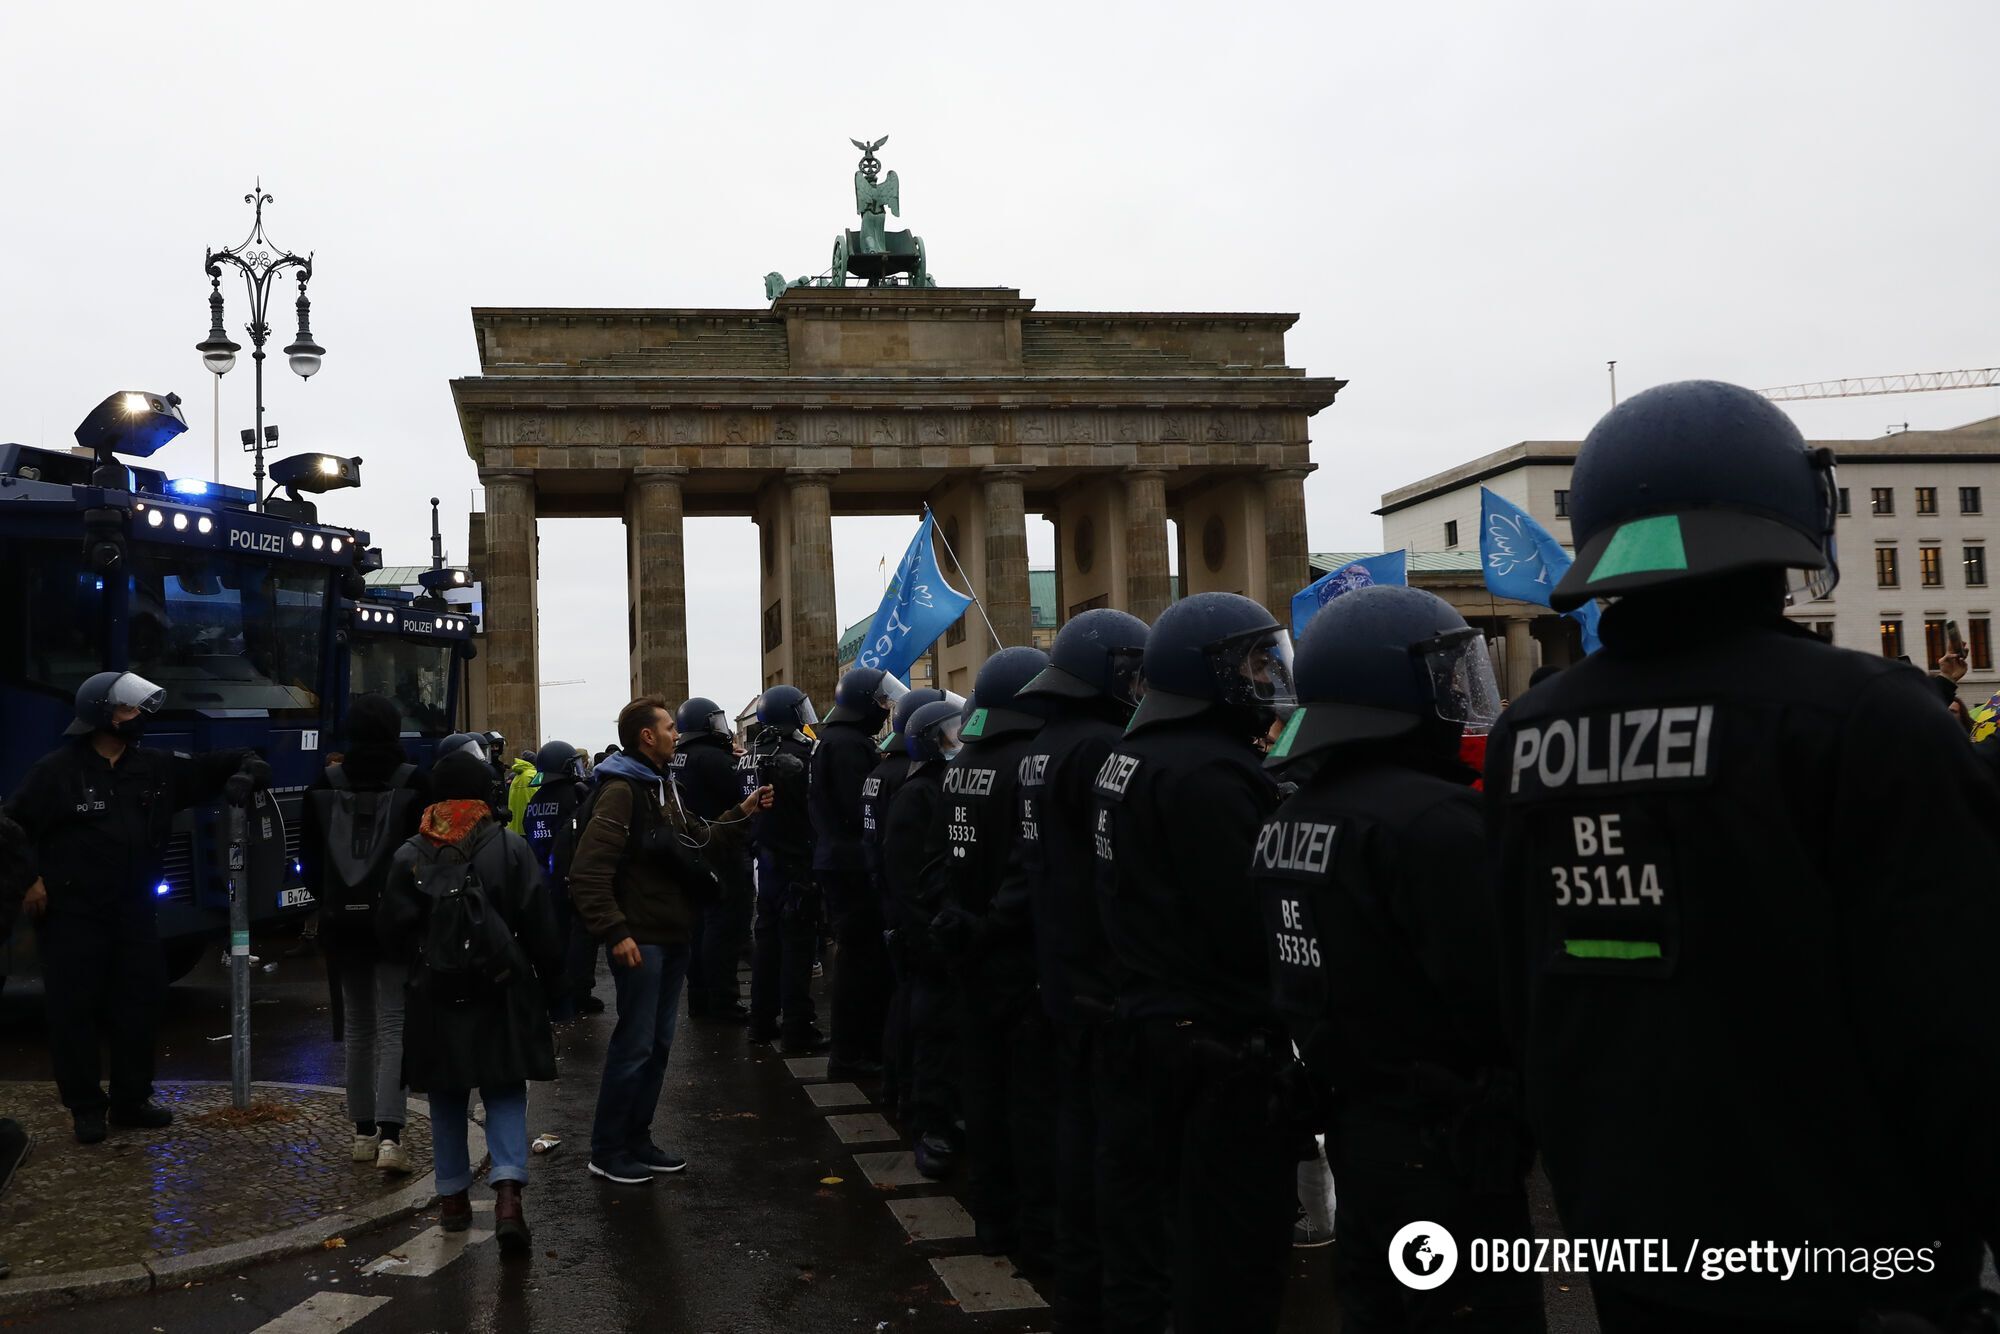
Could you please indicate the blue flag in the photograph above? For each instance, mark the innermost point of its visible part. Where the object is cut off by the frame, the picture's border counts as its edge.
(1522, 561)
(1391, 567)
(918, 607)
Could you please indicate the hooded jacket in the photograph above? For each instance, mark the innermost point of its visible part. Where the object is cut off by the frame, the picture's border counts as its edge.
(627, 880)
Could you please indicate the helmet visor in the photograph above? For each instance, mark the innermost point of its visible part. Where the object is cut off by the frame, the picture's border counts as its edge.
(1128, 681)
(1254, 669)
(888, 691)
(133, 691)
(946, 735)
(717, 722)
(1461, 675)
(808, 716)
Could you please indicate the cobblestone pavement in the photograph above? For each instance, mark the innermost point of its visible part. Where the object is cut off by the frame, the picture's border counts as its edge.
(204, 1181)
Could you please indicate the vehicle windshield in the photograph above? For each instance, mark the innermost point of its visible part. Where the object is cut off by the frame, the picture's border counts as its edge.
(415, 674)
(221, 634)
(53, 607)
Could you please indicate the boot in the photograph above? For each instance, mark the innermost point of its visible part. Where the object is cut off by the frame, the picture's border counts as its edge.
(509, 1226)
(455, 1211)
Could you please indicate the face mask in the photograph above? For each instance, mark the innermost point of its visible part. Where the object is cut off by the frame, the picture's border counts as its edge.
(131, 730)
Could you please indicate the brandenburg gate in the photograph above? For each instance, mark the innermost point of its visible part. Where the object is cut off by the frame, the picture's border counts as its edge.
(875, 399)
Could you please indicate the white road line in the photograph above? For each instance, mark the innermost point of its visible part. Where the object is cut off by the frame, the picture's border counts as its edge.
(932, 1218)
(891, 1169)
(986, 1283)
(426, 1253)
(863, 1128)
(322, 1313)
(836, 1095)
(806, 1067)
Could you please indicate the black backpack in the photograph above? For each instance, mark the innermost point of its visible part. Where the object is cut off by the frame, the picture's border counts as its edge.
(362, 830)
(468, 948)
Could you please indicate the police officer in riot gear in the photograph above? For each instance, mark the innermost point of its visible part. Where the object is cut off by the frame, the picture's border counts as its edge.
(788, 904)
(705, 765)
(97, 812)
(1196, 1186)
(984, 928)
(841, 763)
(877, 790)
(1746, 893)
(925, 1095)
(1384, 949)
(1089, 690)
(549, 821)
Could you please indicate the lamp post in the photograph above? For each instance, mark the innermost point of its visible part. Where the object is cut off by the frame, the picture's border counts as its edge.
(260, 261)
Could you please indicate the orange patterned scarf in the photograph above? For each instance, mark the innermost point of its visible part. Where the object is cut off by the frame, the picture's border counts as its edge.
(453, 821)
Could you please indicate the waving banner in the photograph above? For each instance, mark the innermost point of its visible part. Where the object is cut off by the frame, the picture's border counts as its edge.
(1522, 561)
(918, 607)
(1391, 567)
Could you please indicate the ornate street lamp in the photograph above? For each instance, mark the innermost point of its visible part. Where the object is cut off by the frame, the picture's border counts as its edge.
(260, 261)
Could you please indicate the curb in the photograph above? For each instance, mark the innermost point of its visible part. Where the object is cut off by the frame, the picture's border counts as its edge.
(21, 1295)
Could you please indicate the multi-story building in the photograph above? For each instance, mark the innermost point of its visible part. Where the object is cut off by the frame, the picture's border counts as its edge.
(1913, 538)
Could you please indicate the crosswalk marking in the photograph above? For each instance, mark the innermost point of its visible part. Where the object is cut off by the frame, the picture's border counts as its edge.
(986, 1283)
(836, 1095)
(891, 1169)
(806, 1067)
(863, 1128)
(932, 1218)
(322, 1313)
(426, 1253)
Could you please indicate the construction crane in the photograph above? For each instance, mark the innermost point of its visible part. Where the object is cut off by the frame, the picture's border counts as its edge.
(548, 685)
(1922, 382)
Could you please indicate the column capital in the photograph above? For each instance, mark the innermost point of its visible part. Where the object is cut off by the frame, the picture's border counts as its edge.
(488, 476)
(807, 476)
(1005, 472)
(1292, 474)
(1147, 474)
(658, 472)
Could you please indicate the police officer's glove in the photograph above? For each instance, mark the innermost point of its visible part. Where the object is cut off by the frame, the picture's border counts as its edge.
(252, 776)
(957, 933)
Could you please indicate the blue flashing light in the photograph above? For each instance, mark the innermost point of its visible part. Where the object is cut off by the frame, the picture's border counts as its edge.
(298, 868)
(188, 486)
(163, 889)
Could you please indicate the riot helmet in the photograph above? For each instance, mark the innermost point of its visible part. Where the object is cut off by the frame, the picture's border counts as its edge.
(866, 695)
(559, 759)
(459, 741)
(906, 708)
(702, 717)
(1695, 479)
(996, 707)
(1097, 655)
(102, 695)
(933, 732)
(1385, 662)
(787, 708)
(1215, 651)
(495, 746)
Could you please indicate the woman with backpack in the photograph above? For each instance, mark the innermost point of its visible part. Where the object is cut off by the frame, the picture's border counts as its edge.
(467, 911)
(356, 815)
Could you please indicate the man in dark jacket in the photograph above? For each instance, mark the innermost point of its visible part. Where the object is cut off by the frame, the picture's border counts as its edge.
(97, 811)
(641, 865)
(705, 767)
(788, 902)
(841, 763)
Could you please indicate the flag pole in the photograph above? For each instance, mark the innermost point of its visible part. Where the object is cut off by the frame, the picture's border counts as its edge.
(969, 590)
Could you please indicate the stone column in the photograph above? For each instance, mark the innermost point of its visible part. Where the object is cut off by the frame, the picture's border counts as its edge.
(1286, 565)
(656, 578)
(513, 660)
(1147, 578)
(1006, 596)
(815, 638)
(1520, 658)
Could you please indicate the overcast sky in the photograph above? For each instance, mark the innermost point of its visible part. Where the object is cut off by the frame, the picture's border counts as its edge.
(1471, 206)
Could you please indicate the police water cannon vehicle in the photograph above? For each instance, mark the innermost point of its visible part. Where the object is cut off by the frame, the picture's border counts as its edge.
(228, 602)
(412, 644)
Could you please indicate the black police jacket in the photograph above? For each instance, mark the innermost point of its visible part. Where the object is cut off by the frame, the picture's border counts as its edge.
(1179, 807)
(97, 831)
(877, 791)
(549, 823)
(1380, 930)
(841, 763)
(1059, 852)
(1747, 895)
(906, 836)
(710, 778)
(784, 833)
(981, 883)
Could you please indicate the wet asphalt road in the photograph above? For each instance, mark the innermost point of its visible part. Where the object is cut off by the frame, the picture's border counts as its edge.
(747, 1240)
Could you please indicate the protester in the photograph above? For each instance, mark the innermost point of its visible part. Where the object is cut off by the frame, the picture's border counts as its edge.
(641, 866)
(466, 911)
(356, 817)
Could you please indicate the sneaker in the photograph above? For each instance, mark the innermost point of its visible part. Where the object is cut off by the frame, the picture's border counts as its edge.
(1306, 1236)
(658, 1160)
(455, 1211)
(364, 1148)
(804, 1042)
(147, 1115)
(622, 1172)
(390, 1157)
(15, 1145)
(819, 969)
(90, 1127)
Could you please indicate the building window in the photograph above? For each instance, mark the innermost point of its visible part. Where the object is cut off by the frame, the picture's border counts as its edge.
(1451, 532)
(1562, 504)
(955, 635)
(1935, 645)
(1930, 566)
(1824, 629)
(1975, 567)
(1979, 643)
(1843, 500)
(1892, 639)
(1885, 567)
(1927, 500)
(1882, 500)
(1968, 500)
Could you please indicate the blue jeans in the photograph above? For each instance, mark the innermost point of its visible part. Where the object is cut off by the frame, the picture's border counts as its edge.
(506, 1136)
(635, 1064)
